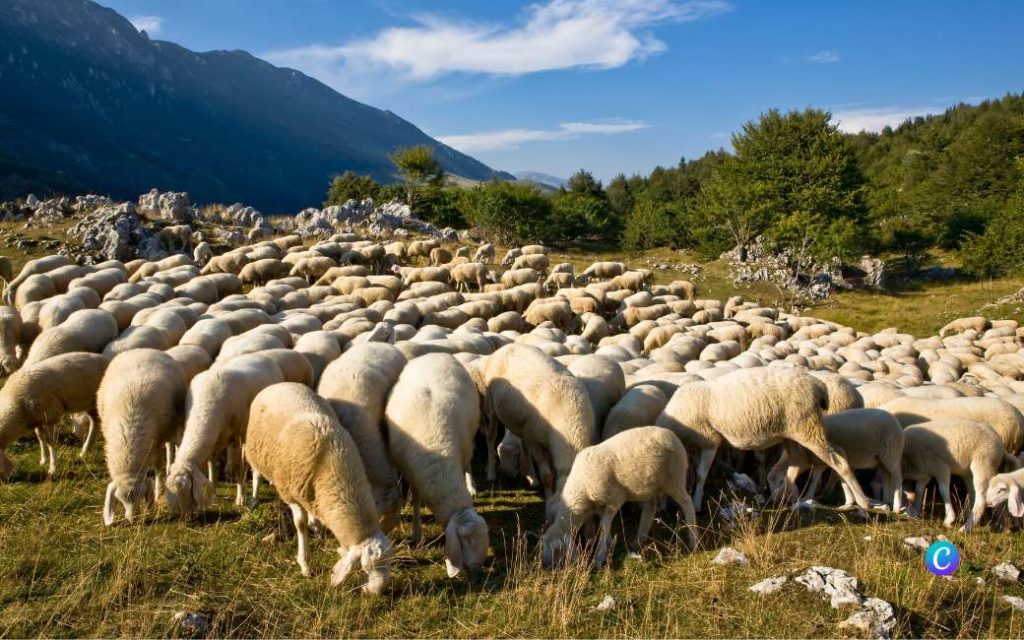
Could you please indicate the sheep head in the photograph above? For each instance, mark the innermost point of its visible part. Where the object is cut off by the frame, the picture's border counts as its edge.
(1002, 489)
(373, 555)
(465, 542)
(188, 489)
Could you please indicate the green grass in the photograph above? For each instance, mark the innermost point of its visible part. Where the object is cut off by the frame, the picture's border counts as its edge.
(62, 574)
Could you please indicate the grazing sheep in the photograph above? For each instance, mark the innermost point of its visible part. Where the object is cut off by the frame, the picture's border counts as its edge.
(38, 395)
(604, 381)
(430, 437)
(357, 385)
(141, 404)
(263, 271)
(439, 256)
(540, 401)
(755, 409)
(870, 438)
(639, 465)
(1006, 487)
(296, 442)
(942, 448)
(510, 256)
(217, 410)
(35, 288)
(639, 406)
(603, 271)
(31, 268)
(87, 330)
(1001, 416)
(484, 254)
(10, 339)
(536, 261)
(474, 273)
(842, 396)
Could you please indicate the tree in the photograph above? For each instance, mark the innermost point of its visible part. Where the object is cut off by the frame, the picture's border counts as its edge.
(652, 223)
(418, 167)
(999, 250)
(583, 183)
(507, 212)
(349, 186)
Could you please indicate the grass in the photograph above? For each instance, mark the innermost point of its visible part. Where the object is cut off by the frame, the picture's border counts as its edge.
(64, 575)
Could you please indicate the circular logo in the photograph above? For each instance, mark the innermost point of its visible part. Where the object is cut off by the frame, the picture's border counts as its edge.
(942, 558)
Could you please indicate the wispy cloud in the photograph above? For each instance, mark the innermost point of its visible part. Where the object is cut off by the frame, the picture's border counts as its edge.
(823, 57)
(512, 138)
(557, 34)
(149, 24)
(877, 118)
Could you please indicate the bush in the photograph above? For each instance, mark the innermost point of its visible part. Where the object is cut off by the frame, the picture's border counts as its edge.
(349, 186)
(508, 213)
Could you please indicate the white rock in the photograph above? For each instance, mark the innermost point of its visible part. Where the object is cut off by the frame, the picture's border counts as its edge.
(867, 538)
(743, 482)
(839, 587)
(917, 542)
(875, 617)
(1015, 602)
(1006, 572)
(728, 555)
(190, 623)
(607, 604)
(768, 585)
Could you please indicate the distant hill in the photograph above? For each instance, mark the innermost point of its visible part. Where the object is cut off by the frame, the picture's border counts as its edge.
(88, 103)
(542, 178)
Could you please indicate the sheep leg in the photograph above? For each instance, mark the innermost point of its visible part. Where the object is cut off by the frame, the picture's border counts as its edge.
(89, 436)
(919, 487)
(892, 485)
(169, 456)
(42, 447)
(682, 498)
(942, 479)
(158, 480)
(301, 521)
(978, 486)
(470, 485)
(417, 521)
(848, 499)
(812, 487)
(604, 541)
(491, 436)
(828, 454)
(108, 505)
(255, 484)
(644, 527)
(707, 456)
(209, 472)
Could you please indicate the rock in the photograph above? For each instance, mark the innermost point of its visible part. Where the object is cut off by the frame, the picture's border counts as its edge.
(743, 482)
(190, 624)
(874, 272)
(170, 206)
(607, 604)
(917, 542)
(728, 555)
(837, 586)
(1006, 572)
(875, 617)
(31, 201)
(1015, 602)
(768, 585)
(116, 232)
(806, 505)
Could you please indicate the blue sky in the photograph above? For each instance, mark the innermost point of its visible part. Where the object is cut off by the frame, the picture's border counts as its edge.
(616, 85)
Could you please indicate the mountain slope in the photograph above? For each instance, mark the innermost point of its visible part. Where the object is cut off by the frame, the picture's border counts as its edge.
(88, 102)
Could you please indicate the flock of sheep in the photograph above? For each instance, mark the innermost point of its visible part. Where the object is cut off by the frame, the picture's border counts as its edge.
(350, 379)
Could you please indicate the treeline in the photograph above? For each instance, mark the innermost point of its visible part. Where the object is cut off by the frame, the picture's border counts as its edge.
(953, 181)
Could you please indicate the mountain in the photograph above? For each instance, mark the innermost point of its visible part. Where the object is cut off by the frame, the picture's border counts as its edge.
(542, 178)
(87, 103)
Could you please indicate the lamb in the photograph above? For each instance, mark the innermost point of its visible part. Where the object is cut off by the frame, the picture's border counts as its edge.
(956, 446)
(755, 409)
(217, 410)
(639, 465)
(356, 385)
(87, 330)
(540, 401)
(1006, 487)
(296, 442)
(430, 438)
(639, 406)
(870, 438)
(38, 395)
(141, 405)
(1001, 416)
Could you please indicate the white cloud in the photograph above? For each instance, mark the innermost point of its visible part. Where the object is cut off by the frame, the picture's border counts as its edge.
(877, 118)
(558, 34)
(512, 138)
(149, 24)
(824, 57)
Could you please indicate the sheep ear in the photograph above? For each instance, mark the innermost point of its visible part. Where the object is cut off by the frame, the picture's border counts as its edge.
(202, 490)
(1014, 501)
(452, 548)
(108, 506)
(344, 566)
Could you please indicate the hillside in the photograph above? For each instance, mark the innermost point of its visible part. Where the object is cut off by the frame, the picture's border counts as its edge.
(87, 103)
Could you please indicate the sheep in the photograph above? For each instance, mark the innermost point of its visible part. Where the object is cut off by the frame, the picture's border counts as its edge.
(38, 395)
(484, 254)
(639, 406)
(1003, 417)
(1006, 487)
(603, 380)
(540, 401)
(755, 409)
(955, 446)
(35, 288)
(470, 273)
(536, 261)
(31, 268)
(217, 410)
(320, 348)
(602, 270)
(356, 385)
(439, 256)
(638, 465)
(516, 277)
(141, 403)
(430, 438)
(263, 271)
(842, 396)
(88, 330)
(10, 340)
(870, 438)
(514, 461)
(295, 441)
(510, 256)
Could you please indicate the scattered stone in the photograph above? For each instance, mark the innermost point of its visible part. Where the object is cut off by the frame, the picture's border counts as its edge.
(875, 275)
(1006, 572)
(170, 206)
(190, 623)
(743, 482)
(806, 505)
(867, 538)
(875, 616)
(728, 555)
(768, 585)
(1015, 602)
(607, 604)
(839, 587)
(979, 581)
(917, 542)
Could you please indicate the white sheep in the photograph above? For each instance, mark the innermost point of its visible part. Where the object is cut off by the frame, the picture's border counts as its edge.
(10, 340)
(430, 438)
(639, 406)
(755, 409)
(38, 395)
(1006, 487)
(141, 406)
(1003, 417)
(88, 330)
(357, 385)
(294, 440)
(638, 465)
